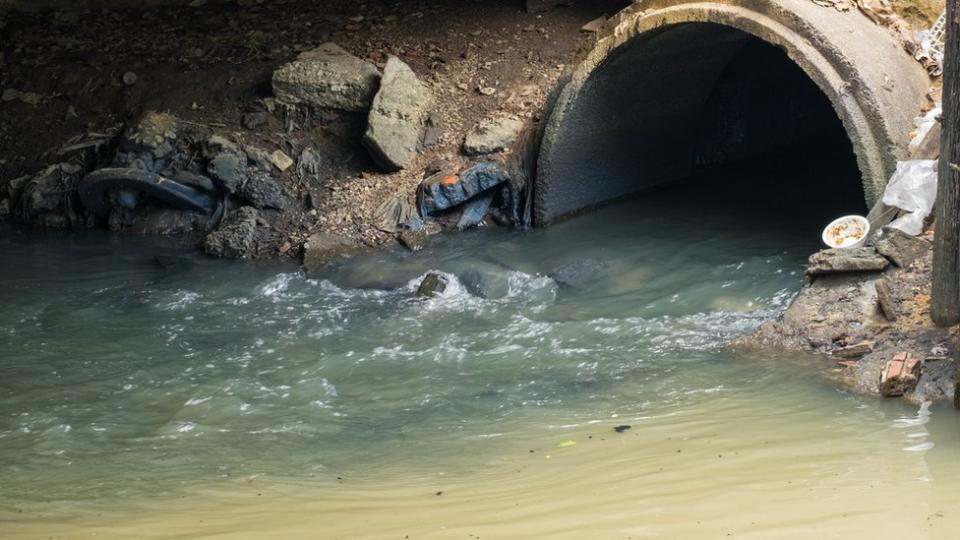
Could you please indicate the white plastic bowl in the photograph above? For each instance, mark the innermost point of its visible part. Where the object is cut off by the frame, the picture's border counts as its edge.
(846, 232)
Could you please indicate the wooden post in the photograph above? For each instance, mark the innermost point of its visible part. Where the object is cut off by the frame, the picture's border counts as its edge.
(945, 303)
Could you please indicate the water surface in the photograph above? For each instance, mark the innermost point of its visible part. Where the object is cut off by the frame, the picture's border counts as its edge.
(147, 391)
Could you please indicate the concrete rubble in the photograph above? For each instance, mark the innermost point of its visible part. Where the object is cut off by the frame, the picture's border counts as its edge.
(327, 77)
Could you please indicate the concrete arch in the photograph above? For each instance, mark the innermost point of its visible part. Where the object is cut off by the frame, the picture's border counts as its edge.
(624, 118)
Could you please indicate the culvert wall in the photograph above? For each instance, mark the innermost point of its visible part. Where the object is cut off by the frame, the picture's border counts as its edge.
(626, 118)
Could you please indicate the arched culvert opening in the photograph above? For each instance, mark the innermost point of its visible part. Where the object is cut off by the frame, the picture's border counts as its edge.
(720, 100)
(715, 115)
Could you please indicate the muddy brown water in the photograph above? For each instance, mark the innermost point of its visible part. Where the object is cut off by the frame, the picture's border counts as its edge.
(146, 392)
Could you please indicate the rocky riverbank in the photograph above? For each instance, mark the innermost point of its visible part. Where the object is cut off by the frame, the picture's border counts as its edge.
(291, 120)
(861, 308)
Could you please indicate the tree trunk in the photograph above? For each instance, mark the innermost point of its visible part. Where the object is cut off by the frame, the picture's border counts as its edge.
(945, 308)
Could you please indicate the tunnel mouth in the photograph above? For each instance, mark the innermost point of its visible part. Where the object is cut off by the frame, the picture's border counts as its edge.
(704, 113)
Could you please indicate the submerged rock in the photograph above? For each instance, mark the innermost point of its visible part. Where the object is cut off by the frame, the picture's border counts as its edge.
(578, 274)
(323, 249)
(492, 135)
(398, 116)
(432, 285)
(485, 283)
(838, 261)
(329, 77)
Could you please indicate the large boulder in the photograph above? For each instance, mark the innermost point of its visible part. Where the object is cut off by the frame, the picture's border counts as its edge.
(398, 116)
(328, 77)
(492, 135)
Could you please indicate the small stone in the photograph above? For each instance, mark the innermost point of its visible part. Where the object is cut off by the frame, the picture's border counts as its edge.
(280, 160)
(254, 120)
(900, 375)
(486, 90)
(857, 350)
(845, 260)
(230, 170)
(492, 135)
(885, 300)
(129, 78)
(594, 26)
(414, 240)
(263, 192)
(432, 285)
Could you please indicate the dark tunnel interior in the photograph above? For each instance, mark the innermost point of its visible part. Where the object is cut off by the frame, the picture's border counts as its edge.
(705, 114)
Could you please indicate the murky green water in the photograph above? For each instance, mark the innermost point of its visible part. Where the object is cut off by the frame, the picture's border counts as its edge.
(126, 383)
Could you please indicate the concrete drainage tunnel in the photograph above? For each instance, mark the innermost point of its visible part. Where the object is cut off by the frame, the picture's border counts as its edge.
(691, 105)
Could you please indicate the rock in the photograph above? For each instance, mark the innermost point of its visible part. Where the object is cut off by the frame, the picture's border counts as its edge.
(594, 26)
(398, 116)
(129, 78)
(234, 238)
(323, 249)
(539, 6)
(281, 160)
(230, 170)
(836, 261)
(578, 274)
(475, 210)
(263, 192)
(885, 300)
(857, 350)
(155, 134)
(414, 240)
(217, 144)
(492, 135)
(48, 199)
(329, 77)
(901, 248)
(432, 285)
(440, 193)
(4, 208)
(485, 283)
(254, 120)
(900, 375)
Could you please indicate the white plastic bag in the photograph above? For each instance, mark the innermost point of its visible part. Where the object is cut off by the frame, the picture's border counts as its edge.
(924, 123)
(912, 188)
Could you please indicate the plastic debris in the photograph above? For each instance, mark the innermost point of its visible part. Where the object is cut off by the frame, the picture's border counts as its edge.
(913, 188)
(566, 444)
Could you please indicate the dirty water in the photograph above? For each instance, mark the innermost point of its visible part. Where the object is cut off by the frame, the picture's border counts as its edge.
(146, 392)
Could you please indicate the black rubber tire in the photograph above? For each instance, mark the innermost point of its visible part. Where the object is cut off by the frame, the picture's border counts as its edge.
(94, 187)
